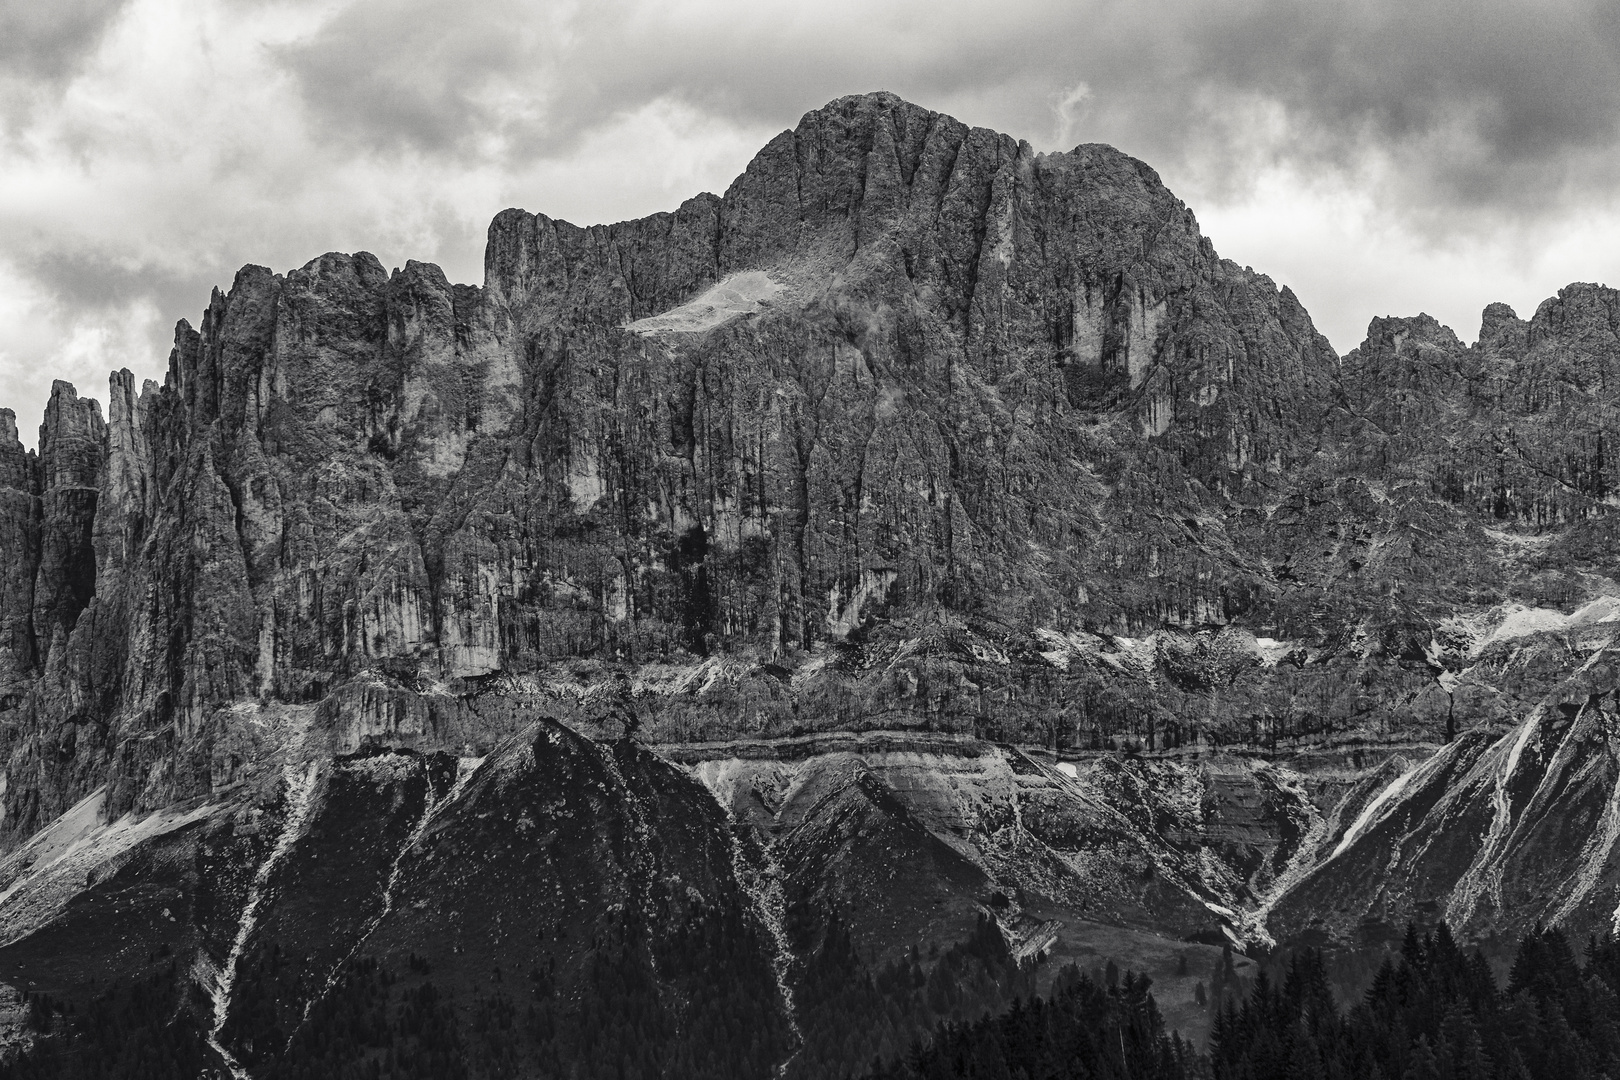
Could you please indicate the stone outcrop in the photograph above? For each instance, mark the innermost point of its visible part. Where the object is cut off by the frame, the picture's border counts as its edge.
(914, 438)
(976, 381)
(19, 555)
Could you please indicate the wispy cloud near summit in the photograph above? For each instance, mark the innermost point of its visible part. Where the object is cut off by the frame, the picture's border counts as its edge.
(1479, 103)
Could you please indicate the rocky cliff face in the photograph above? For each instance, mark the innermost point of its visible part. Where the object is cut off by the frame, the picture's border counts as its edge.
(960, 533)
(903, 373)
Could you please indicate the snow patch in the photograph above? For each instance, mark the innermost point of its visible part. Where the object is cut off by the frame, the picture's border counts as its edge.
(737, 295)
(1523, 622)
(1272, 651)
(1514, 621)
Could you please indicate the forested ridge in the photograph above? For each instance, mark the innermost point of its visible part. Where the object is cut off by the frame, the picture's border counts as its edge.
(1434, 1011)
(378, 1023)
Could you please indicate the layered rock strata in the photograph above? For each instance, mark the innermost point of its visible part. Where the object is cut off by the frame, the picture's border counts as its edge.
(921, 495)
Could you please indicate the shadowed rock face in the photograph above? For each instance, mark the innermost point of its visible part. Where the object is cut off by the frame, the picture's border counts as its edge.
(936, 376)
(976, 536)
(594, 883)
(19, 555)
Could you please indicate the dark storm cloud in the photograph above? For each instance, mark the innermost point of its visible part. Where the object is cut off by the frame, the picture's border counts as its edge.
(1490, 102)
(94, 280)
(398, 73)
(538, 75)
(1479, 104)
(45, 39)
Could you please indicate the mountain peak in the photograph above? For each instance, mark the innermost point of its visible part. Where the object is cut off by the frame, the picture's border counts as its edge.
(923, 528)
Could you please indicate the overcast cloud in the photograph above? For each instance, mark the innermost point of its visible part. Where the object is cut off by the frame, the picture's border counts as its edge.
(1379, 157)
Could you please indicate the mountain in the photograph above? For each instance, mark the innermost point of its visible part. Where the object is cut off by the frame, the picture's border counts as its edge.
(745, 636)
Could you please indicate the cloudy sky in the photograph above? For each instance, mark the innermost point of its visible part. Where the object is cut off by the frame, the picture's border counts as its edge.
(1379, 156)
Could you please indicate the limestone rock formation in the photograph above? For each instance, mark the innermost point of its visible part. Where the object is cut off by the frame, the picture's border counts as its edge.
(926, 531)
(973, 377)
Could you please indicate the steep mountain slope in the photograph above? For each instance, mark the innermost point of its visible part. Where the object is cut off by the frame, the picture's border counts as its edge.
(925, 559)
(351, 473)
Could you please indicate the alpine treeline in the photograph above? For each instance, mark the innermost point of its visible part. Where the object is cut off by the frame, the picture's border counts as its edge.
(1436, 1014)
(850, 1014)
(129, 1031)
(1080, 1031)
(1433, 1013)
